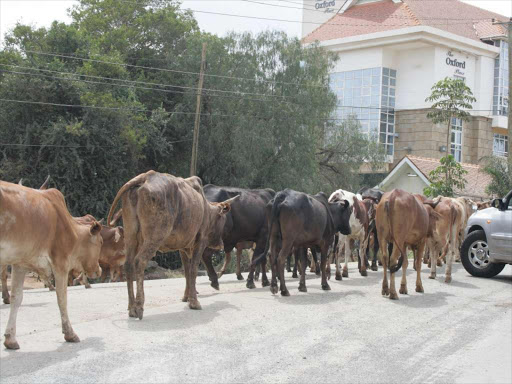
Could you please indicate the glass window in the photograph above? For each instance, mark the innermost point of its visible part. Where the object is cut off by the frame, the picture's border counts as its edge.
(500, 145)
(500, 99)
(456, 142)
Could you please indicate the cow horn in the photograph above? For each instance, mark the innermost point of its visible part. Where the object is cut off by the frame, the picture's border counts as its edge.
(229, 201)
(45, 184)
(20, 182)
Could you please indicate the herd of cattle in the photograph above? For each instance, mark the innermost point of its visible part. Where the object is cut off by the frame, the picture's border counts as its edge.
(161, 212)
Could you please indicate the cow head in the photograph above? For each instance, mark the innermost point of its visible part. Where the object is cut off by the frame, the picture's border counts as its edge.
(89, 247)
(217, 221)
(341, 211)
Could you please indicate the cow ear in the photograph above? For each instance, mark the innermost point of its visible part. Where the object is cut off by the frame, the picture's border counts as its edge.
(95, 228)
(224, 208)
(119, 233)
(345, 203)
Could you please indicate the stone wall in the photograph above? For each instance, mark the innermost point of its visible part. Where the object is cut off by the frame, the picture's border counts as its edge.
(417, 132)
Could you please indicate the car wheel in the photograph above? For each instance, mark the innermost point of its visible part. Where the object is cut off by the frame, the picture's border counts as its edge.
(474, 255)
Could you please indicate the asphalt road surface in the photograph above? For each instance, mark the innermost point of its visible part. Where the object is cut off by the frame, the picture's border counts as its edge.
(458, 332)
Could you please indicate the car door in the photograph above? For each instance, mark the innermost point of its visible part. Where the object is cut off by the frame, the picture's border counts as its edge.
(501, 234)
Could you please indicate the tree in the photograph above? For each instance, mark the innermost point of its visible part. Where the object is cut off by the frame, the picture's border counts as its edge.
(501, 178)
(450, 98)
(453, 178)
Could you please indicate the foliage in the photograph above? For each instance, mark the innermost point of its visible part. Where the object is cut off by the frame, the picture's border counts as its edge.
(501, 178)
(453, 178)
(130, 70)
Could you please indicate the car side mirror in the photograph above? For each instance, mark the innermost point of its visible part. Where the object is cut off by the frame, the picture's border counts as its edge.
(496, 203)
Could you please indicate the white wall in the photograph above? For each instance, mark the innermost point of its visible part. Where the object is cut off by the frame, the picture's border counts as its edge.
(403, 181)
(415, 76)
(359, 59)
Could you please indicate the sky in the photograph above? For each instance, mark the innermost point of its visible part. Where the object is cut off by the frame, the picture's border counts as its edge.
(43, 12)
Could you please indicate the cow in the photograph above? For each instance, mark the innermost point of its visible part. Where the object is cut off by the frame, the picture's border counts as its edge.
(239, 250)
(444, 239)
(405, 221)
(299, 220)
(39, 234)
(112, 256)
(245, 222)
(483, 205)
(162, 212)
(359, 222)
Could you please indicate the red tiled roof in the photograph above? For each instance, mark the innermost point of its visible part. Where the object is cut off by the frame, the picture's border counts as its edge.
(386, 16)
(476, 179)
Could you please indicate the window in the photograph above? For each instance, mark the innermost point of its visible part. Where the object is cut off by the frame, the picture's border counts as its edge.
(456, 146)
(500, 147)
(500, 94)
(368, 95)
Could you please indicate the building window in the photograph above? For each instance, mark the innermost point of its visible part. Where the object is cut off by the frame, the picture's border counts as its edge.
(500, 147)
(368, 95)
(501, 84)
(456, 146)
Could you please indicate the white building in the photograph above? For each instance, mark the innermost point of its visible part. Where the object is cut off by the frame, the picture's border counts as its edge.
(393, 51)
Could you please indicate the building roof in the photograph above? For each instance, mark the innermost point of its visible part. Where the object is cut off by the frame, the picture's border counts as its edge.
(476, 179)
(387, 15)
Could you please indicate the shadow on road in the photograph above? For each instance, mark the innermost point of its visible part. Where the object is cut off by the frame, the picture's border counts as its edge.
(319, 297)
(422, 300)
(19, 362)
(184, 319)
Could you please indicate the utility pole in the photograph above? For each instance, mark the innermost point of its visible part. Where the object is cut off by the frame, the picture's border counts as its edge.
(509, 27)
(195, 142)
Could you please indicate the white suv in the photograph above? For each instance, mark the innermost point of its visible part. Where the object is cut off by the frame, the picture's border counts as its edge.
(488, 242)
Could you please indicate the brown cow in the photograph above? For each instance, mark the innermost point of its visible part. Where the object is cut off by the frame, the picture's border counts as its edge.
(112, 256)
(165, 213)
(404, 221)
(483, 205)
(5, 291)
(444, 239)
(37, 233)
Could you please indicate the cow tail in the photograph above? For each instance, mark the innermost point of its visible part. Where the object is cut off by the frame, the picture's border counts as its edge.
(388, 206)
(136, 181)
(274, 216)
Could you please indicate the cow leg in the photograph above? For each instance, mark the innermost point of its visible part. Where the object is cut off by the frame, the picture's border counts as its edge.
(62, 300)
(348, 254)
(85, 281)
(284, 253)
(105, 272)
(239, 251)
(451, 254)
(5, 290)
(417, 259)
(17, 280)
(323, 262)
(185, 261)
(337, 261)
(227, 260)
(131, 247)
(434, 252)
(394, 261)
(384, 259)
(295, 266)
(207, 260)
(362, 257)
(146, 253)
(260, 248)
(111, 274)
(193, 303)
(403, 283)
(303, 265)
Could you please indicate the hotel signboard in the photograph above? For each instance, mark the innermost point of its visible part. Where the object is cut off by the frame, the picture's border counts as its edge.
(326, 6)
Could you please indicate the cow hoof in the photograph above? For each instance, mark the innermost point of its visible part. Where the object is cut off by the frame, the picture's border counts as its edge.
(288, 270)
(7, 301)
(419, 289)
(385, 292)
(132, 313)
(439, 263)
(194, 304)
(184, 299)
(256, 276)
(295, 276)
(393, 296)
(215, 285)
(11, 344)
(432, 276)
(448, 279)
(285, 293)
(72, 338)
(457, 260)
(318, 272)
(374, 267)
(139, 312)
(273, 289)
(51, 288)
(265, 283)
(364, 273)
(338, 276)
(403, 290)
(302, 288)
(345, 273)
(250, 284)
(87, 287)
(239, 277)
(326, 287)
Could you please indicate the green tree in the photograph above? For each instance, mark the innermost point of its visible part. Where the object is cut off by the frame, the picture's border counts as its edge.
(501, 178)
(446, 178)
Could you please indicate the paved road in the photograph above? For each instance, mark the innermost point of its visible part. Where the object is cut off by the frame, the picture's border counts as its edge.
(452, 333)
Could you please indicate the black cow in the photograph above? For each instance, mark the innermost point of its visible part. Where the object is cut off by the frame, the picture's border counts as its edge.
(245, 222)
(298, 220)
